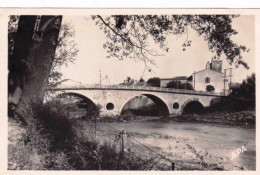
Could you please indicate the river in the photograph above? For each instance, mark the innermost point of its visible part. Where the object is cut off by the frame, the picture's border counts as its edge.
(190, 144)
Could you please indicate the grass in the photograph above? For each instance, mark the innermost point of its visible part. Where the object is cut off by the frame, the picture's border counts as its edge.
(202, 164)
(50, 140)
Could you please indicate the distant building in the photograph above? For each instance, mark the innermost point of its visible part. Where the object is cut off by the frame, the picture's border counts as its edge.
(165, 81)
(210, 76)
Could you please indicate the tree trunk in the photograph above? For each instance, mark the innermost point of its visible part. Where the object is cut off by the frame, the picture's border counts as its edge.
(17, 62)
(34, 50)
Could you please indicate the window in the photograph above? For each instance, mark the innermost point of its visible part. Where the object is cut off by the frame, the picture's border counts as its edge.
(207, 80)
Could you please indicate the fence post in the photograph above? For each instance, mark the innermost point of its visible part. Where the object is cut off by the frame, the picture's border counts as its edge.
(122, 137)
(173, 166)
(95, 127)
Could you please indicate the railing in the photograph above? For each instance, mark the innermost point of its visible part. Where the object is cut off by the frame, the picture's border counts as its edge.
(125, 87)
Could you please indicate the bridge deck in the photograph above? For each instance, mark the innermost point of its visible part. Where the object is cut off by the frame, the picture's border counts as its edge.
(136, 88)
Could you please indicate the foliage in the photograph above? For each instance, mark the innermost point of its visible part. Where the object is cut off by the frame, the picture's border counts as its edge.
(52, 141)
(155, 81)
(246, 90)
(89, 155)
(141, 79)
(242, 97)
(49, 121)
(130, 35)
(129, 80)
(66, 52)
(231, 105)
(179, 85)
(26, 157)
(48, 133)
(92, 110)
(210, 88)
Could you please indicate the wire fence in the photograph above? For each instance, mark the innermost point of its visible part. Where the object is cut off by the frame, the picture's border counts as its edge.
(124, 141)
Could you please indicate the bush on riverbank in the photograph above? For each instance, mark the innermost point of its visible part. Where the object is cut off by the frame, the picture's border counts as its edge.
(51, 140)
(230, 104)
(241, 118)
(46, 135)
(241, 98)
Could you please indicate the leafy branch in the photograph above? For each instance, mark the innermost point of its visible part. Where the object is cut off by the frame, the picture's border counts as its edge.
(131, 35)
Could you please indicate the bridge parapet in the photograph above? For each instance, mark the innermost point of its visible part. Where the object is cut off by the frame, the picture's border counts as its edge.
(138, 88)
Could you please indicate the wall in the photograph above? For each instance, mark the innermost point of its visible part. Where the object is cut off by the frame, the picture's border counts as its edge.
(216, 80)
(164, 82)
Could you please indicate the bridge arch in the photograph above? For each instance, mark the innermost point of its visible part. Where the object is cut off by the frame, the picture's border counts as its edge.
(161, 104)
(75, 95)
(87, 102)
(192, 106)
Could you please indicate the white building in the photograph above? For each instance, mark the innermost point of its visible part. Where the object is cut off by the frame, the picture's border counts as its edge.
(213, 76)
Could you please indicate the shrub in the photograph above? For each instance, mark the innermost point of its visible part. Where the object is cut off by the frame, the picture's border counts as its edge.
(92, 111)
(55, 118)
(53, 141)
(245, 90)
(210, 88)
(155, 81)
(49, 123)
(48, 133)
(179, 85)
(93, 156)
(30, 151)
(230, 104)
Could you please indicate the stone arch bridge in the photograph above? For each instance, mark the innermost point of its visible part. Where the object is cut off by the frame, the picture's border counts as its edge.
(113, 98)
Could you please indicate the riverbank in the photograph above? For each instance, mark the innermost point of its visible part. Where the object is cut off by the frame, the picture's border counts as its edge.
(242, 118)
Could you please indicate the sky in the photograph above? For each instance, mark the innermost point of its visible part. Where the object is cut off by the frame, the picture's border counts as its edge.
(92, 59)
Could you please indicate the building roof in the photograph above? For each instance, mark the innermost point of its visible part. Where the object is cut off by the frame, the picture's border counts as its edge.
(180, 78)
(175, 78)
